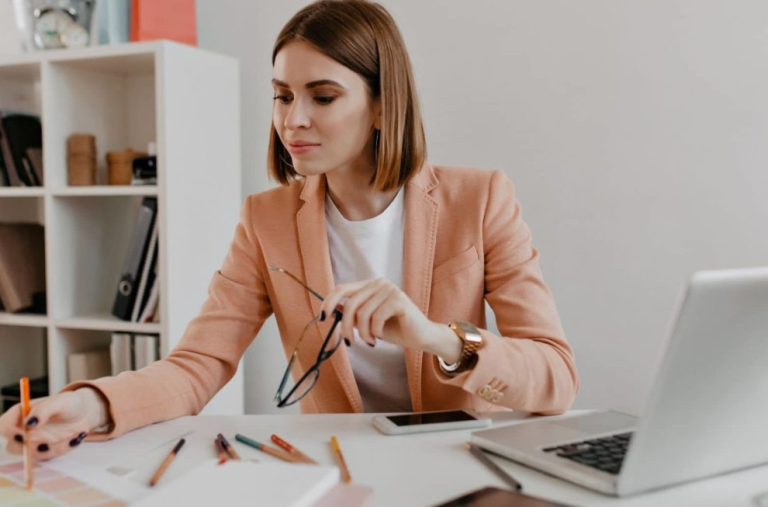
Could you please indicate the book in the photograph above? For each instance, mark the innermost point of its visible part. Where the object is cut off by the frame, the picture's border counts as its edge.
(22, 265)
(88, 365)
(138, 248)
(148, 268)
(151, 306)
(146, 350)
(121, 353)
(240, 482)
(7, 156)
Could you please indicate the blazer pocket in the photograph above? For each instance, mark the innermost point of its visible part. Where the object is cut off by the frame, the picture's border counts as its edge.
(455, 264)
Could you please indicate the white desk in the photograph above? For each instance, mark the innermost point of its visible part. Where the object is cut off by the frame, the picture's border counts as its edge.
(410, 470)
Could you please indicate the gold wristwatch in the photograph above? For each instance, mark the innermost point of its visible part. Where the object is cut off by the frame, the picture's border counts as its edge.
(471, 340)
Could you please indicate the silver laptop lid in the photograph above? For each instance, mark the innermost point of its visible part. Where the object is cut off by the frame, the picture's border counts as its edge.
(708, 409)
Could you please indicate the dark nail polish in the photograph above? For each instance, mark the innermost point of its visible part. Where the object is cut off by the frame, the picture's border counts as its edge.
(19, 439)
(43, 448)
(77, 441)
(349, 343)
(372, 344)
(322, 316)
(33, 422)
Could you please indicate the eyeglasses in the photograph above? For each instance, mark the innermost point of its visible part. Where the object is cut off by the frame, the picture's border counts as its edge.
(287, 395)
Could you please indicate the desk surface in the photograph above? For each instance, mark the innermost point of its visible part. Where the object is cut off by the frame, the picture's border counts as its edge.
(418, 470)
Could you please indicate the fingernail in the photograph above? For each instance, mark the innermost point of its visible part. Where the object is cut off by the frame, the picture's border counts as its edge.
(77, 441)
(43, 448)
(372, 344)
(19, 439)
(349, 343)
(33, 422)
(322, 316)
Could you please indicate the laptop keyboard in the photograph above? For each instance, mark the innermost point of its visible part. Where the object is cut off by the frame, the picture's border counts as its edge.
(606, 453)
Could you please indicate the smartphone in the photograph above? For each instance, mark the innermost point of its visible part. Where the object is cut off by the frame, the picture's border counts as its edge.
(497, 497)
(420, 422)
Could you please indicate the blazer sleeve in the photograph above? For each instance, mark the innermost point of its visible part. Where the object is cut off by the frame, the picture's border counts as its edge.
(530, 367)
(208, 353)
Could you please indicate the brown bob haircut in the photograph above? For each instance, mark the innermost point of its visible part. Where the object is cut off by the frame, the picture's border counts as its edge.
(363, 37)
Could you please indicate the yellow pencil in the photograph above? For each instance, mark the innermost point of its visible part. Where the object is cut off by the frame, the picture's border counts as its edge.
(345, 476)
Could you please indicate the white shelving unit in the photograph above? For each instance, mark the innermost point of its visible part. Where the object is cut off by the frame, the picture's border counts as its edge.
(184, 99)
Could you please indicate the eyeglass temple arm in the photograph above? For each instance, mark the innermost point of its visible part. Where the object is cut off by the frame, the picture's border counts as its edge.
(281, 270)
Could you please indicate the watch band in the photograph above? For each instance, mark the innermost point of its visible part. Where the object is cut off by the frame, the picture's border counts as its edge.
(471, 340)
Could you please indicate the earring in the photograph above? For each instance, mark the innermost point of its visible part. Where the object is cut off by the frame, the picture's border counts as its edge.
(285, 161)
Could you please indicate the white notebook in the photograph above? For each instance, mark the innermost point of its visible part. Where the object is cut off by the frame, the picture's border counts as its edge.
(247, 483)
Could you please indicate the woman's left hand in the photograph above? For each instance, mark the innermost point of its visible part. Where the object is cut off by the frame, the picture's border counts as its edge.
(379, 309)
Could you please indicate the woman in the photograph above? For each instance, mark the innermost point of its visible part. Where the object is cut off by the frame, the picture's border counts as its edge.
(398, 247)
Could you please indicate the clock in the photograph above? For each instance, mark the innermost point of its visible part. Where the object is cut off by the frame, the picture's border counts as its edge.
(49, 25)
(55, 24)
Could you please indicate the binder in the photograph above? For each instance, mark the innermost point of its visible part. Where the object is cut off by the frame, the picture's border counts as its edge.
(121, 353)
(22, 265)
(146, 350)
(20, 133)
(135, 257)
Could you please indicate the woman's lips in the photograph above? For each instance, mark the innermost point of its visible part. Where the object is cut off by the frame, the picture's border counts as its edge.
(298, 149)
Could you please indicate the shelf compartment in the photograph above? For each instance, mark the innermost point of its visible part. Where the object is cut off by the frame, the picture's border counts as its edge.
(88, 244)
(110, 97)
(29, 351)
(67, 341)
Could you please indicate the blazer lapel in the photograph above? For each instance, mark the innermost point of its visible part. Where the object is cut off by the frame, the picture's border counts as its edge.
(318, 274)
(421, 219)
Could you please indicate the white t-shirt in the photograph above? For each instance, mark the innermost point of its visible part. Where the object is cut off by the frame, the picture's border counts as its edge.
(365, 250)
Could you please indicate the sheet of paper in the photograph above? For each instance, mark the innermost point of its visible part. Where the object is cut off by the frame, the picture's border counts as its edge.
(246, 483)
(122, 455)
(72, 486)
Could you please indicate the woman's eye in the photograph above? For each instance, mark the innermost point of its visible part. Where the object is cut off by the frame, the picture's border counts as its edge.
(324, 99)
(282, 98)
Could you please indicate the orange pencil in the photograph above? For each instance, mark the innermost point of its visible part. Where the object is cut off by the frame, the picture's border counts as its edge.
(25, 408)
(166, 463)
(291, 449)
(222, 452)
(230, 450)
(345, 476)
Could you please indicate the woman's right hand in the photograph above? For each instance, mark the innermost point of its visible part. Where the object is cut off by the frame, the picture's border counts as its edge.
(56, 424)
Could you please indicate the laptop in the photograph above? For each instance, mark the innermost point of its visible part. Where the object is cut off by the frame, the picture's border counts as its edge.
(707, 412)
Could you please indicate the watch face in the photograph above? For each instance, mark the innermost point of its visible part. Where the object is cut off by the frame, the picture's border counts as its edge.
(49, 26)
(74, 36)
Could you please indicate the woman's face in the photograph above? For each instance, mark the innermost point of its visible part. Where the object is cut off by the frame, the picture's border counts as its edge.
(323, 111)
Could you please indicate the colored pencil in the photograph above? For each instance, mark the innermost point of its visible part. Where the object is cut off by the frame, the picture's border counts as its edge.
(166, 463)
(291, 449)
(25, 408)
(345, 476)
(222, 452)
(230, 450)
(277, 453)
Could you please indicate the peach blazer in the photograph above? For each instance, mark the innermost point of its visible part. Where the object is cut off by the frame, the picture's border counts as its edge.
(465, 241)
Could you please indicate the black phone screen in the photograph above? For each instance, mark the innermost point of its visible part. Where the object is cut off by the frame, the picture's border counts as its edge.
(430, 418)
(496, 497)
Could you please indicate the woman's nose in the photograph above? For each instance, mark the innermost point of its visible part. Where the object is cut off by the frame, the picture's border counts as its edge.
(297, 116)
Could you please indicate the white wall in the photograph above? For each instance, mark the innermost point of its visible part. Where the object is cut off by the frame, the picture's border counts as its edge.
(636, 133)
